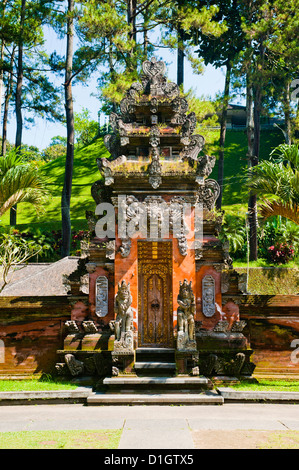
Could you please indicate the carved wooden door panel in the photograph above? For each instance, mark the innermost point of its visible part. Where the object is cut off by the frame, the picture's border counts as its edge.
(155, 294)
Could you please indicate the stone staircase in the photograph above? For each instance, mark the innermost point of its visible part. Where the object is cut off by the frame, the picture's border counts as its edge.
(155, 383)
(155, 361)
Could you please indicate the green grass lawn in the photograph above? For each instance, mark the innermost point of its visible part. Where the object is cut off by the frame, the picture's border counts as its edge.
(86, 173)
(268, 385)
(35, 385)
(77, 439)
(41, 385)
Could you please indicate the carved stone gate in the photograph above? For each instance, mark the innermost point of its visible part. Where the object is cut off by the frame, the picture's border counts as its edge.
(155, 317)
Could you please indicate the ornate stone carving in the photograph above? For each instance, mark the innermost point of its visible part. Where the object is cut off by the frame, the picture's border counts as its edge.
(61, 368)
(189, 125)
(177, 217)
(208, 296)
(124, 318)
(101, 296)
(125, 247)
(224, 282)
(238, 326)
(185, 316)
(235, 366)
(208, 193)
(127, 108)
(191, 151)
(183, 244)
(155, 169)
(154, 139)
(208, 366)
(89, 327)
(75, 367)
(226, 256)
(135, 90)
(91, 267)
(205, 165)
(112, 144)
(221, 327)
(106, 167)
(89, 365)
(180, 107)
(155, 71)
(242, 282)
(71, 327)
(198, 251)
(110, 249)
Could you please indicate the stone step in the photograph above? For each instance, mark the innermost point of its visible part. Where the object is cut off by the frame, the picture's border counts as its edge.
(133, 380)
(204, 398)
(155, 365)
(156, 350)
(155, 355)
(163, 384)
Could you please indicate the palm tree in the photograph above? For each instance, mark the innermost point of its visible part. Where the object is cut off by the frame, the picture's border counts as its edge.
(20, 182)
(277, 181)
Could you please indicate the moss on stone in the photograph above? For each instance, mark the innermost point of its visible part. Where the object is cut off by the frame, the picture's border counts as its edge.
(272, 281)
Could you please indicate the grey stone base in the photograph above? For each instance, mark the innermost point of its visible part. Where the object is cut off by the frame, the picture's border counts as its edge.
(247, 396)
(203, 398)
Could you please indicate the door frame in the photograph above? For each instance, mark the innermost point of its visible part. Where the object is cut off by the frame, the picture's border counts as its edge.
(155, 257)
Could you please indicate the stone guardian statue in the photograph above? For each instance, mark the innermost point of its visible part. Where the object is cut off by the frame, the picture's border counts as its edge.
(124, 317)
(185, 317)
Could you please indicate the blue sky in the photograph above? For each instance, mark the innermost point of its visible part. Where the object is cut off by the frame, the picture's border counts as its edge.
(40, 133)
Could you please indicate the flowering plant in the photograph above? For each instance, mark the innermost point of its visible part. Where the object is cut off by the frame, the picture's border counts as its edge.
(281, 253)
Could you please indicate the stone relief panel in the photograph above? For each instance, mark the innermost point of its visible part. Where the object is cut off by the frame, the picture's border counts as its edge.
(208, 296)
(101, 296)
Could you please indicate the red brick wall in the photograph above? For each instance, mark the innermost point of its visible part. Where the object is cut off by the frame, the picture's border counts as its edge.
(31, 330)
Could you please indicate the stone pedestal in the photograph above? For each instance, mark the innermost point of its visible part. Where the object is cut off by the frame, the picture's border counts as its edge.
(186, 361)
(122, 362)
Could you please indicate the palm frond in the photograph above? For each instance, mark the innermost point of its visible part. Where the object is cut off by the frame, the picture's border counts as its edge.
(286, 153)
(11, 160)
(273, 208)
(275, 179)
(22, 183)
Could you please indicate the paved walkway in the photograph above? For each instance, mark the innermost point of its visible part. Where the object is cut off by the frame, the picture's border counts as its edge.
(152, 427)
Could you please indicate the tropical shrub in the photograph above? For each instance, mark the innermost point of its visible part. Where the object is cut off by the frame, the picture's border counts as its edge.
(14, 250)
(20, 182)
(281, 253)
(278, 181)
(50, 242)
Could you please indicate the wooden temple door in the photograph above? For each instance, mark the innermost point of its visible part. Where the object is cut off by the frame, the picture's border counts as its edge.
(155, 322)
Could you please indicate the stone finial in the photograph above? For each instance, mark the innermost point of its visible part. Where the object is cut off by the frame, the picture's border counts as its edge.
(89, 327)
(72, 327)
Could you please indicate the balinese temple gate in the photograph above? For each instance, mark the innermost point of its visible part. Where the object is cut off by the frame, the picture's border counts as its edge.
(156, 294)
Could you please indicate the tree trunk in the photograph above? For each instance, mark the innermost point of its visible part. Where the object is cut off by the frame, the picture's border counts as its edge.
(180, 51)
(131, 15)
(112, 72)
(287, 114)
(180, 66)
(2, 58)
(131, 18)
(19, 118)
(69, 162)
(8, 96)
(145, 33)
(252, 210)
(223, 121)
